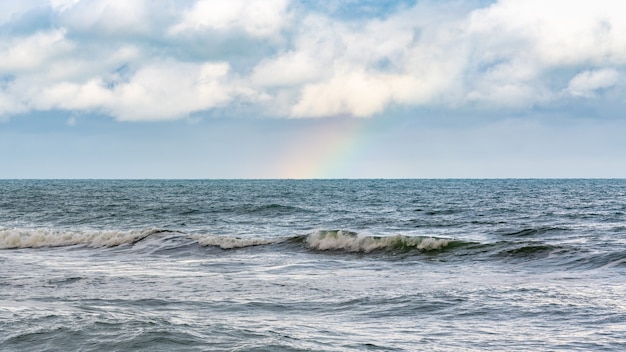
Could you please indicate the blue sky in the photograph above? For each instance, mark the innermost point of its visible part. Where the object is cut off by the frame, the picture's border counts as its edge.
(309, 89)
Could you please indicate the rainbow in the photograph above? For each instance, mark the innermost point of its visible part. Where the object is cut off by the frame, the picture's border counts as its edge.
(327, 150)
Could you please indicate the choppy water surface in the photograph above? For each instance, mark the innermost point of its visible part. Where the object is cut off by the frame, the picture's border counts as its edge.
(336, 265)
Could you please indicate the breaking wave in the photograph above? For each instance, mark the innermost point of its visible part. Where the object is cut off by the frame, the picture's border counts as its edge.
(353, 242)
(38, 238)
(338, 241)
(325, 240)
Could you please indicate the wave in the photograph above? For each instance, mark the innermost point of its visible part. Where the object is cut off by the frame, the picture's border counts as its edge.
(353, 242)
(38, 238)
(230, 242)
(324, 240)
(527, 250)
(155, 241)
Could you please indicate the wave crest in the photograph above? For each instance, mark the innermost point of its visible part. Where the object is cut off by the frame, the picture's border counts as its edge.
(334, 240)
(353, 242)
(38, 238)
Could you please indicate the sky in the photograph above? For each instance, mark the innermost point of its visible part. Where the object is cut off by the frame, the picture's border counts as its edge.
(312, 89)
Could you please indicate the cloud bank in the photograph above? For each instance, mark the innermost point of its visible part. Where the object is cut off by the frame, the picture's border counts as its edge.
(136, 61)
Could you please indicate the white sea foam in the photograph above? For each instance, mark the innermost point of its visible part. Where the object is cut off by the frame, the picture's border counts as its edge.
(352, 242)
(36, 238)
(229, 242)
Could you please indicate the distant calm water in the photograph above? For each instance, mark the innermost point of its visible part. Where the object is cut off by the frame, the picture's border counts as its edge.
(337, 265)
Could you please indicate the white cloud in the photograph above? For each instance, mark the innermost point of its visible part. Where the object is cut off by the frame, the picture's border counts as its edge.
(35, 51)
(135, 61)
(98, 63)
(257, 18)
(360, 69)
(70, 96)
(172, 90)
(10, 105)
(10, 10)
(553, 33)
(509, 84)
(585, 84)
(354, 93)
(292, 68)
(105, 16)
(62, 5)
(159, 91)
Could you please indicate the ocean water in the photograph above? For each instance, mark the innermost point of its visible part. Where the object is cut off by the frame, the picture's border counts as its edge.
(319, 265)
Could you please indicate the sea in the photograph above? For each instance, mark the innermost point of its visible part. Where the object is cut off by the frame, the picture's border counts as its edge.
(313, 265)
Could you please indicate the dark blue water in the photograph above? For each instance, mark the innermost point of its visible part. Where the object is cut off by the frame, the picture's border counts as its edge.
(319, 265)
